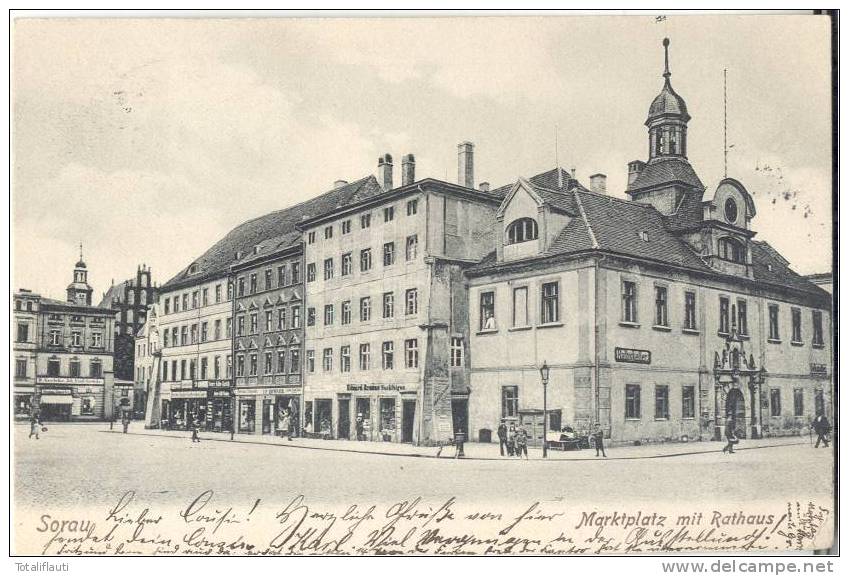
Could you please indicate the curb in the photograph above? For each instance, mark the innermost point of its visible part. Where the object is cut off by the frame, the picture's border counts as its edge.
(435, 457)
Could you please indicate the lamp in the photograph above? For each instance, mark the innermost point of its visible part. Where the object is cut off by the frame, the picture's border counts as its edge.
(544, 372)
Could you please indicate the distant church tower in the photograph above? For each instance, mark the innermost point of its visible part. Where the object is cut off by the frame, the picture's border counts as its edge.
(79, 292)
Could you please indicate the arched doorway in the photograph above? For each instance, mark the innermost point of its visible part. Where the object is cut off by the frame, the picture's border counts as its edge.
(735, 405)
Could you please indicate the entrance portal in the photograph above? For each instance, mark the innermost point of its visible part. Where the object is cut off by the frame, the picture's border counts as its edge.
(407, 420)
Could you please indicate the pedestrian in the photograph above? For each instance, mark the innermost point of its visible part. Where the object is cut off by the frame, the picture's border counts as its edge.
(34, 426)
(521, 441)
(125, 422)
(598, 437)
(358, 427)
(195, 430)
(511, 440)
(286, 425)
(502, 437)
(822, 427)
(730, 435)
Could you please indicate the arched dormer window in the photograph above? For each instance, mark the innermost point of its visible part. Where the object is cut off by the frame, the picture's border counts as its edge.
(732, 250)
(522, 230)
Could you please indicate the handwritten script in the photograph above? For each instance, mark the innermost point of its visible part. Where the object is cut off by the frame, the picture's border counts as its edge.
(204, 525)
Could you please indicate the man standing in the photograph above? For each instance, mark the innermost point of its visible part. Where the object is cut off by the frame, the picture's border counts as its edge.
(502, 437)
(730, 435)
(598, 437)
(34, 425)
(521, 441)
(195, 429)
(286, 425)
(359, 428)
(822, 427)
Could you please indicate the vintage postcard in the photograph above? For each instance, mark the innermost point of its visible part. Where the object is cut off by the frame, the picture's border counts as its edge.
(422, 284)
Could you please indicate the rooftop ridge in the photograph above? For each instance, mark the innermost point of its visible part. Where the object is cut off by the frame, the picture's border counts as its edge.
(586, 221)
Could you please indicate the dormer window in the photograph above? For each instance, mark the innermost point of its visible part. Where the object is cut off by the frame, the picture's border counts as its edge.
(193, 269)
(522, 230)
(731, 250)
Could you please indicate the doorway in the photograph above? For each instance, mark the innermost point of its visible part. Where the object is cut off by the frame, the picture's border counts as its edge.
(324, 417)
(460, 415)
(408, 418)
(344, 431)
(364, 412)
(532, 422)
(735, 405)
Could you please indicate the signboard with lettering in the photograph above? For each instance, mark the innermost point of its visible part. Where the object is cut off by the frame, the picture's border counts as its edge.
(820, 369)
(189, 394)
(288, 389)
(375, 387)
(632, 355)
(55, 391)
(68, 380)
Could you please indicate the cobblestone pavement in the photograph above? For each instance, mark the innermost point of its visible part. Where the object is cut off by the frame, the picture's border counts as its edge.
(85, 464)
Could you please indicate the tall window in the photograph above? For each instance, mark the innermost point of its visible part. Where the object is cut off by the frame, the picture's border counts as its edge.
(253, 284)
(253, 364)
(194, 299)
(389, 254)
(328, 232)
(661, 306)
(346, 227)
(365, 356)
(365, 220)
(254, 323)
(487, 311)
(816, 319)
(296, 272)
(328, 314)
(216, 368)
(731, 250)
(296, 316)
(194, 333)
(281, 361)
(55, 337)
(75, 368)
(203, 367)
(217, 330)
(509, 401)
(311, 272)
(281, 275)
(269, 279)
(240, 365)
(365, 259)
(629, 301)
(796, 324)
(688, 402)
(388, 304)
(773, 322)
(240, 291)
(520, 306)
(661, 402)
(522, 230)
(775, 402)
(217, 293)
(95, 368)
(412, 301)
(327, 360)
(76, 338)
(228, 323)
(310, 316)
(388, 213)
(690, 310)
(347, 264)
(204, 331)
(23, 332)
(53, 367)
(798, 402)
(388, 355)
(281, 319)
(632, 401)
(96, 340)
(411, 352)
(184, 335)
(294, 360)
(346, 312)
(365, 309)
(345, 359)
(328, 268)
(21, 368)
(550, 302)
(412, 249)
(412, 207)
(311, 237)
(269, 320)
(456, 351)
(310, 361)
(742, 318)
(723, 315)
(167, 306)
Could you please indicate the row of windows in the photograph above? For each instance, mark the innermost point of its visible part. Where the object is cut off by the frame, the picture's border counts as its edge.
(633, 403)
(192, 333)
(387, 356)
(273, 363)
(365, 221)
(411, 308)
(272, 323)
(731, 316)
(287, 275)
(198, 298)
(19, 305)
(210, 367)
(365, 259)
(54, 367)
(54, 338)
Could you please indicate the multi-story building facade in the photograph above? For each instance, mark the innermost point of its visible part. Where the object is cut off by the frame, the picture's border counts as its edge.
(659, 317)
(268, 334)
(63, 354)
(386, 329)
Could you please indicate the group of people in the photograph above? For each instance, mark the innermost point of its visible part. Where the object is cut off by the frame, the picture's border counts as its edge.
(820, 425)
(512, 440)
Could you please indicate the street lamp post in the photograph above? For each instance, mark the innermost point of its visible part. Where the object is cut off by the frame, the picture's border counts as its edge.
(543, 372)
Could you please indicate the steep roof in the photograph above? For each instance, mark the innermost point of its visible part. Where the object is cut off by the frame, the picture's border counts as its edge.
(216, 260)
(270, 246)
(666, 171)
(769, 266)
(115, 291)
(81, 307)
(549, 180)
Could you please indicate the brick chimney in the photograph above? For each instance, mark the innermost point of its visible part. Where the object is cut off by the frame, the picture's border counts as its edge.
(635, 168)
(408, 169)
(483, 186)
(598, 183)
(466, 164)
(384, 171)
(339, 184)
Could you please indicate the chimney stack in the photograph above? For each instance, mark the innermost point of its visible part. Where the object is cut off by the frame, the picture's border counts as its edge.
(598, 183)
(466, 164)
(408, 169)
(384, 171)
(484, 186)
(339, 184)
(635, 168)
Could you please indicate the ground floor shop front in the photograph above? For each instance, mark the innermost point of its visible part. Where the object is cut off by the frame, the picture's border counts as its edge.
(381, 415)
(56, 399)
(205, 404)
(264, 410)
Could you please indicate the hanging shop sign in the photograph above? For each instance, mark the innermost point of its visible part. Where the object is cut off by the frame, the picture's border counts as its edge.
(632, 355)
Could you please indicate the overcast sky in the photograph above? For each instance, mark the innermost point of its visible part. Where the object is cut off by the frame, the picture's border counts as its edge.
(148, 140)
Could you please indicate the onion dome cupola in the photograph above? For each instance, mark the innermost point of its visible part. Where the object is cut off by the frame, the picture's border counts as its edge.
(667, 119)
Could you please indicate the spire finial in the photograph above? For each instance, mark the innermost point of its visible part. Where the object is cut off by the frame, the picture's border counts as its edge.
(666, 72)
(81, 251)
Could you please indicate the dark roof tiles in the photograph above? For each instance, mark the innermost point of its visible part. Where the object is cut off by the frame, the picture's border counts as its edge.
(666, 171)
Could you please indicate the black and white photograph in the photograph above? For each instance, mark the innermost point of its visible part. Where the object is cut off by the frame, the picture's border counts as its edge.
(424, 284)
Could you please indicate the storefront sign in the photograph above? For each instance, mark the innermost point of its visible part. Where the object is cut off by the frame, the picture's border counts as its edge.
(292, 389)
(44, 391)
(375, 387)
(818, 368)
(632, 355)
(68, 380)
(219, 393)
(188, 394)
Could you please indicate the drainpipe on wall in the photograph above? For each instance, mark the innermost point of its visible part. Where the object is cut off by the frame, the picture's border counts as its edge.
(596, 341)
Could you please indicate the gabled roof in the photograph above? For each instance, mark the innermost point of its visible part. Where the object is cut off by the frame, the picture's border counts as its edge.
(271, 246)
(769, 266)
(666, 171)
(556, 179)
(216, 261)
